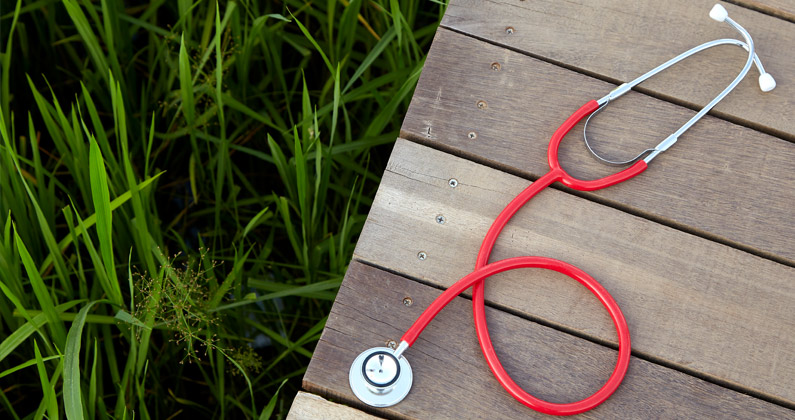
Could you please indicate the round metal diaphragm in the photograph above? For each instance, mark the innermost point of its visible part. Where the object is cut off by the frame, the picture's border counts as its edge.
(379, 379)
(381, 369)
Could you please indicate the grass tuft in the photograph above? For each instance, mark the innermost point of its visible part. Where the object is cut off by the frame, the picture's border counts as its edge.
(246, 139)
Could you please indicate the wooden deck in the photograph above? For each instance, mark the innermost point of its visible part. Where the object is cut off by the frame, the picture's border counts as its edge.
(699, 250)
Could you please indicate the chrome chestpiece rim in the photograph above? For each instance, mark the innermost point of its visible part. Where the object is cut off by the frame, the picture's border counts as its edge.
(380, 379)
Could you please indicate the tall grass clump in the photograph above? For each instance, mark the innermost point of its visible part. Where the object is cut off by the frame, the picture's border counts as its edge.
(181, 187)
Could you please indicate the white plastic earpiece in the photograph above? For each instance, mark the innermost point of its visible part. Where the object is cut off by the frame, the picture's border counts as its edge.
(718, 13)
(766, 82)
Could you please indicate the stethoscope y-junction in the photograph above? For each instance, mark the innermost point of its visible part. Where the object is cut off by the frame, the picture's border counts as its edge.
(382, 376)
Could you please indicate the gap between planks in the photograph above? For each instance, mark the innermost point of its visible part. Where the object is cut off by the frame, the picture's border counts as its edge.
(781, 9)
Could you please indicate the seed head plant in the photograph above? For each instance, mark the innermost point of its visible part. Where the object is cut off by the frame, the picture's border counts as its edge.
(181, 305)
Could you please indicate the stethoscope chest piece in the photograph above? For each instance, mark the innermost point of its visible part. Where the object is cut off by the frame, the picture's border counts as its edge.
(379, 378)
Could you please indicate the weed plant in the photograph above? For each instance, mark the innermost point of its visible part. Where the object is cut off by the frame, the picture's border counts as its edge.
(182, 183)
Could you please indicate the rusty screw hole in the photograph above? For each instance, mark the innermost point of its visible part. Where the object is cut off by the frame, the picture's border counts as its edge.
(496, 66)
(392, 344)
(482, 104)
(509, 30)
(407, 301)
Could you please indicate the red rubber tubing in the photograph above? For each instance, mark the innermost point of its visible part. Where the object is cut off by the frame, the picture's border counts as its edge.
(483, 270)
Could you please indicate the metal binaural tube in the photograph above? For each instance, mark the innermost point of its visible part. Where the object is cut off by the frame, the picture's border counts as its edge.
(766, 83)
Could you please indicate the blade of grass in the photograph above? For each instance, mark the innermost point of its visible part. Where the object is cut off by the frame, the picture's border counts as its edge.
(55, 325)
(394, 9)
(92, 220)
(268, 410)
(314, 43)
(21, 334)
(141, 241)
(50, 398)
(384, 116)
(277, 337)
(260, 217)
(89, 38)
(313, 334)
(101, 198)
(49, 238)
(315, 287)
(372, 55)
(6, 66)
(24, 365)
(73, 401)
(92, 384)
(185, 82)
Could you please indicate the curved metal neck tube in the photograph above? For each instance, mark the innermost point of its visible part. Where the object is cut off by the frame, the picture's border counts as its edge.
(650, 154)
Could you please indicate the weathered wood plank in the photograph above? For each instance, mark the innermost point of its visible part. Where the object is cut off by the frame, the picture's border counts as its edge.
(451, 379)
(784, 9)
(721, 180)
(308, 406)
(622, 39)
(691, 302)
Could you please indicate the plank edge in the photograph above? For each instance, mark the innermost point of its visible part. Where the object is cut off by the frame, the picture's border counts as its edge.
(695, 107)
(307, 405)
(408, 136)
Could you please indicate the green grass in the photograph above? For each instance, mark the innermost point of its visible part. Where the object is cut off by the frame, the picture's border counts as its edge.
(182, 184)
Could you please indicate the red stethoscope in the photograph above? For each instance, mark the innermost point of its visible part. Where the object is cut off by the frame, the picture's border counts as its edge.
(382, 376)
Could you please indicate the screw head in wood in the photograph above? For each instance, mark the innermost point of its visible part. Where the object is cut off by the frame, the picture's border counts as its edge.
(496, 66)
(422, 255)
(509, 30)
(452, 182)
(482, 104)
(472, 135)
(440, 219)
(408, 301)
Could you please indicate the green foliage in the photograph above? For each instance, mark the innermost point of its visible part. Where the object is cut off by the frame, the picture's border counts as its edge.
(181, 188)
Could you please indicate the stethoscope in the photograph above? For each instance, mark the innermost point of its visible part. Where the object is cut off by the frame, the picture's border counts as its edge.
(382, 377)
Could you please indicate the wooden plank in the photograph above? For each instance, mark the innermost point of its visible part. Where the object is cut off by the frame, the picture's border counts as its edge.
(451, 379)
(622, 39)
(721, 180)
(705, 307)
(784, 9)
(308, 406)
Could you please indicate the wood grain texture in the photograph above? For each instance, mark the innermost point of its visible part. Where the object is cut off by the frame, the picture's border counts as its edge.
(784, 9)
(451, 379)
(308, 406)
(622, 39)
(721, 180)
(706, 307)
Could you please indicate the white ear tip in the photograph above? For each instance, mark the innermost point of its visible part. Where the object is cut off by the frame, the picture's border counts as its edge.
(766, 82)
(718, 13)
